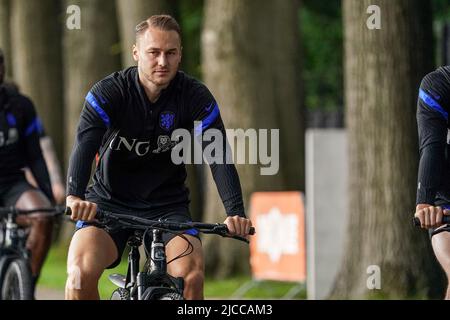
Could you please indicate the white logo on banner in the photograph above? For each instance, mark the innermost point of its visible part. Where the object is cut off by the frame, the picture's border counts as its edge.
(277, 234)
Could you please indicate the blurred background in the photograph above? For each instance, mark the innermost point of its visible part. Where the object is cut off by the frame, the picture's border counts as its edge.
(271, 64)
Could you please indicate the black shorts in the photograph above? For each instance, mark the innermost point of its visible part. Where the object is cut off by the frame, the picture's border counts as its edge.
(445, 228)
(11, 192)
(120, 237)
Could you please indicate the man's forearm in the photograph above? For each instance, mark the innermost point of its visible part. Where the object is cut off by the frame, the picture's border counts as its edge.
(431, 171)
(51, 160)
(229, 188)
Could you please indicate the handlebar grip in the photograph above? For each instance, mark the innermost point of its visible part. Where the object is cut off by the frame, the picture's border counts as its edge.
(416, 221)
(252, 231)
(68, 212)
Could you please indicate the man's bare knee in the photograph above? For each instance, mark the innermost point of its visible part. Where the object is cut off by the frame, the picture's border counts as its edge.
(42, 223)
(83, 272)
(32, 199)
(90, 252)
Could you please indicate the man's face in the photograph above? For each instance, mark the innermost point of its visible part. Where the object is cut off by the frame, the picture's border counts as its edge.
(158, 54)
(2, 68)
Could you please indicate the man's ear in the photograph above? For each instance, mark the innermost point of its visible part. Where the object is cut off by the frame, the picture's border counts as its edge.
(135, 53)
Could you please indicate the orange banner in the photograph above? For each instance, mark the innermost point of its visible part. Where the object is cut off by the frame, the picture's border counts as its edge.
(278, 249)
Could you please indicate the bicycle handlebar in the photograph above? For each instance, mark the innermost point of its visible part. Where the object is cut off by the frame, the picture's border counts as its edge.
(211, 228)
(416, 221)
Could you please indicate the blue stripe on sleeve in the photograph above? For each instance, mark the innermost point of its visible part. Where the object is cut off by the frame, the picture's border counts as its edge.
(11, 120)
(33, 126)
(206, 123)
(39, 126)
(432, 103)
(94, 103)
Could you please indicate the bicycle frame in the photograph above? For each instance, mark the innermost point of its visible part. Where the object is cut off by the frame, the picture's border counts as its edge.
(153, 280)
(15, 238)
(15, 266)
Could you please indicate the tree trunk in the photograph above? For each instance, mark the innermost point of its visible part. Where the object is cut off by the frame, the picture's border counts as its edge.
(89, 56)
(286, 82)
(190, 22)
(130, 13)
(243, 78)
(5, 35)
(36, 58)
(383, 69)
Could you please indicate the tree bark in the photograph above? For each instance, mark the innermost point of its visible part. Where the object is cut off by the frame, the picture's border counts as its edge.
(244, 79)
(5, 35)
(286, 67)
(36, 59)
(383, 69)
(132, 12)
(89, 56)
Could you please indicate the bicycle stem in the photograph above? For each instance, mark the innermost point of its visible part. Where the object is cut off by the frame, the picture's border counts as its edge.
(157, 254)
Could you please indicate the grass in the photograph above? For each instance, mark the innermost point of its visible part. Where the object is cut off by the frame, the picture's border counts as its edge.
(54, 274)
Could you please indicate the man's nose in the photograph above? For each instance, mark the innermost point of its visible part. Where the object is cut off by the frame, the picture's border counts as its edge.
(162, 61)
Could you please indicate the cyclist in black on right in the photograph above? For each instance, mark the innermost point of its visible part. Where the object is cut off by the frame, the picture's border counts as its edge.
(433, 189)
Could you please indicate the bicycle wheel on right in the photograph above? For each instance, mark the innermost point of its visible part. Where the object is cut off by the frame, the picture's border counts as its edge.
(17, 281)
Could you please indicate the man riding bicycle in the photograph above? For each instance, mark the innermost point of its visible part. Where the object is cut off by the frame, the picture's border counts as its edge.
(20, 131)
(433, 190)
(129, 116)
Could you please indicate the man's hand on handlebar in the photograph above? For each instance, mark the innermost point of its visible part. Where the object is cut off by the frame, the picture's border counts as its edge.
(81, 209)
(430, 216)
(238, 226)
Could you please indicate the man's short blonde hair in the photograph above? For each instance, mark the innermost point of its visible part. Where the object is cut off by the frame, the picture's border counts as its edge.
(163, 22)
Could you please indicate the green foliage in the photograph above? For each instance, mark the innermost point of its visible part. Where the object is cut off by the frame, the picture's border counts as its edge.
(321, 40)
(191, 19)
(441, 10)
(321, 30)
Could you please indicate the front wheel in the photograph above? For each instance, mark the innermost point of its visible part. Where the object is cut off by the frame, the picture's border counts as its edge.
(120, 294)
(17, 281)
(171, 296)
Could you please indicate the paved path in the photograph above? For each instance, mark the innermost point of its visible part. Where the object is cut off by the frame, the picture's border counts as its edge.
(49, 294)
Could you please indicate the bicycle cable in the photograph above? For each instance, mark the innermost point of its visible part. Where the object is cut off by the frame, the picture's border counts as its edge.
(189, 249)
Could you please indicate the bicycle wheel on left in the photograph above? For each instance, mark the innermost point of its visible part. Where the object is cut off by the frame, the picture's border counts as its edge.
(17, 281)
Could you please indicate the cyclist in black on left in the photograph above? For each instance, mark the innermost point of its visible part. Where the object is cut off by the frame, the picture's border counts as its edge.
(20, 130)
